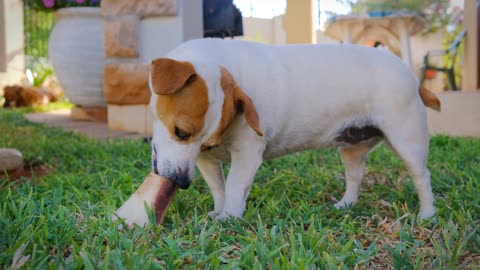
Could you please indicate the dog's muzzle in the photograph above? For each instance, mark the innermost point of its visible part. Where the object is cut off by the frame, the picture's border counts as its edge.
(182, 180)
(180, 176)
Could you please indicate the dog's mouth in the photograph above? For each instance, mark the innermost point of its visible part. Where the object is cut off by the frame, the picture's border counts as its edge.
(181, 180)
(179, 176)
(154, 159)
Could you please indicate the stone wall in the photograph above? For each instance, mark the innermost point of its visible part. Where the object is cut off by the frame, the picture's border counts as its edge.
(135, 33)
(126, 77)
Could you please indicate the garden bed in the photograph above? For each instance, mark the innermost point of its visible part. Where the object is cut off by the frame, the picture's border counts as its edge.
(290, 222)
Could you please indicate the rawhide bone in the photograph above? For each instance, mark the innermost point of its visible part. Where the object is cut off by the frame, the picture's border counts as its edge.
(156, 192)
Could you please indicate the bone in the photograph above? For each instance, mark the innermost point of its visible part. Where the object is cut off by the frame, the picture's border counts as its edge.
(156, 192)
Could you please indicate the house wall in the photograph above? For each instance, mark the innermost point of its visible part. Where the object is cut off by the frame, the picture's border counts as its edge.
(3, 53)
(12, 65)
(160, 34)
(152, 36)
(259, 30)
(460, 115)
(268, 31)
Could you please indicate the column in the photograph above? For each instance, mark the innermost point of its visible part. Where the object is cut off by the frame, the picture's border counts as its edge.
(405, 42)
(347, 33)
(299, 23)
(12, 66)
(470, 79)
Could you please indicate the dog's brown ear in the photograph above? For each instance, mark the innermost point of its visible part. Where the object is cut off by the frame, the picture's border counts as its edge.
(169, 76)
(240, 102)
(245, 104)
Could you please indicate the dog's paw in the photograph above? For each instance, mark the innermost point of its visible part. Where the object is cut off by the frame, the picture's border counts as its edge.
(213, 214)
(428, 212)
(226, 216)
(343, 204)
(222, 216)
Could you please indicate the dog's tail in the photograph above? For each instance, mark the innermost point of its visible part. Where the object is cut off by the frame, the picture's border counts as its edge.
(429, 98)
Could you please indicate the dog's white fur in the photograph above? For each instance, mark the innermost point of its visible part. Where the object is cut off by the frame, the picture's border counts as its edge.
(304, 95)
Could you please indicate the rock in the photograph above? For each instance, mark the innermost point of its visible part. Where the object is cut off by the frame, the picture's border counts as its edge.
(10, 159)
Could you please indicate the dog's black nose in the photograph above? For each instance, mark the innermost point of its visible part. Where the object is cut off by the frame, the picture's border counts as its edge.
(178, 175)
(182, 180)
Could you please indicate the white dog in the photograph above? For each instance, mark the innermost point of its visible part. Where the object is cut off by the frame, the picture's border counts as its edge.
(219, 101)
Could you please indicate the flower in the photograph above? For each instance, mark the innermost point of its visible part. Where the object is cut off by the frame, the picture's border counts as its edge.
(48, 3)
(51, 5)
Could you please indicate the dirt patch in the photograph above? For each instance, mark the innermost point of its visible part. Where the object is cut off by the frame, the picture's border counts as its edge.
(29, 171)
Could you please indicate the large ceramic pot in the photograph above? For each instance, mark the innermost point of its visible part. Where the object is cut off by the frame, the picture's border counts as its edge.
(75, 49)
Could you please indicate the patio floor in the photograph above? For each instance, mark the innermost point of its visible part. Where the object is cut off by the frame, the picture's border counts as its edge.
(96, 130)
(459, 117)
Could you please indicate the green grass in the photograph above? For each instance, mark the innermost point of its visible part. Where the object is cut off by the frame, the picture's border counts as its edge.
(62, 220)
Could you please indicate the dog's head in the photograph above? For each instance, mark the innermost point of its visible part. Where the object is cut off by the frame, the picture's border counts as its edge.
(193, 106)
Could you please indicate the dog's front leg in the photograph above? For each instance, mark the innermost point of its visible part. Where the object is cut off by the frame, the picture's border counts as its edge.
(212, 172)
(246, 160)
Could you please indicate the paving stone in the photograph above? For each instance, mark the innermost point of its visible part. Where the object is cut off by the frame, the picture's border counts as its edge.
(95, 130)
(130, 118)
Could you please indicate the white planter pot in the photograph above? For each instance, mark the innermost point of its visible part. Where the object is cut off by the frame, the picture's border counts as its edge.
(75, 49)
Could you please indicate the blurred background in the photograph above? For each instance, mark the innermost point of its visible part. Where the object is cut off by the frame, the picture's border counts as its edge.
(95, 54)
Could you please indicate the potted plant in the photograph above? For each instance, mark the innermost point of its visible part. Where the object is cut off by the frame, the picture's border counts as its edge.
(430, 74)
(382, 8)
(76, 48)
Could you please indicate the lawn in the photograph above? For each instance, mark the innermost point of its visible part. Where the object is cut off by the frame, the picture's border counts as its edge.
(62, 220)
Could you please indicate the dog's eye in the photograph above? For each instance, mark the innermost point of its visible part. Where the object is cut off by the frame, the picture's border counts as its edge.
(181, 135)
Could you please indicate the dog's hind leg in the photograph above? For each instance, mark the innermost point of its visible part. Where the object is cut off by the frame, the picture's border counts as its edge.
(353, 158)
(415, 156)
(212, 172)
(410, 142)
